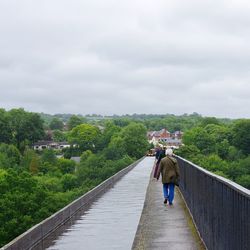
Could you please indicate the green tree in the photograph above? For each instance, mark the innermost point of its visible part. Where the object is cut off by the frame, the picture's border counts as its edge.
(188, 151)
(75, 120)
(56, 123)
(59, 136)
(213, 163)
(104, 139)
(49, 156)
(5, 130)
(209, 120)
(244, 180)
(50, 183)
(240, 167)
(201, 139)
(20, 199)
(34, 164)
(49, 162)
(85, 136)
(69, 181)
(66, 166)
(241, 135)
(28, 155)
(90, 168)
(222, 149)
(115, 149)
(85, 155)
(122, 122)
(218, 132)
(135, 140)
(25, 126)
(11, 156)
(4, 161)
(234, 154)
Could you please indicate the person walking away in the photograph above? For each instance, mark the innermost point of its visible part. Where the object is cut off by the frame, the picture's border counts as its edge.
(160, 156)
(157, 153)
(170, 173)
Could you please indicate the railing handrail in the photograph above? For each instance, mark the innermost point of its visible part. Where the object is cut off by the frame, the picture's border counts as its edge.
(219, 207)
(224, 180)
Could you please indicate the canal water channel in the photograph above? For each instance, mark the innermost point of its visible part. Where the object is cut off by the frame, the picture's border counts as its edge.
(111, 221)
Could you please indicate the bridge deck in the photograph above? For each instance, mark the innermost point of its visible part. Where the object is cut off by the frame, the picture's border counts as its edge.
(111, 221)
(165, 227)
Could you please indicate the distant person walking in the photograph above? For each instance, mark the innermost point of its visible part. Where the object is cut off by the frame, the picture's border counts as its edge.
(159, 155)
(170, 173)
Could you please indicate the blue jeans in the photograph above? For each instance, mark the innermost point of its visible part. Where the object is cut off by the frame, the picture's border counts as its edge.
(168, 192)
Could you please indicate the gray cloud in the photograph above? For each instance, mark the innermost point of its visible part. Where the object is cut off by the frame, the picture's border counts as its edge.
(126, 56)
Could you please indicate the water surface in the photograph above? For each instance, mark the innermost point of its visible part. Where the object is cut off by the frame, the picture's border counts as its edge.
(111, 221)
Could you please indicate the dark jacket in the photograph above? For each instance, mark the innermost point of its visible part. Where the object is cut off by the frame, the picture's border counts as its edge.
(169, 170)
(157, 153)
(161, 155)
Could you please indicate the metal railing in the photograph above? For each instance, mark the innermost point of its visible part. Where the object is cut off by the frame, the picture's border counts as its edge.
(220, 208)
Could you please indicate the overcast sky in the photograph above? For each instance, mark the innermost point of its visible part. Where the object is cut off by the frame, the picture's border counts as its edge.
(124, 57)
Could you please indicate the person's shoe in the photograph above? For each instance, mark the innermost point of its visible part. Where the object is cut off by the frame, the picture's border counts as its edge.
(170, 204)
(165, 201)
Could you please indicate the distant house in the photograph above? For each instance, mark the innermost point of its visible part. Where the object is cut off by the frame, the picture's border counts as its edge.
(177, 135)
(165, 137)
(162, 134)
(40, 145)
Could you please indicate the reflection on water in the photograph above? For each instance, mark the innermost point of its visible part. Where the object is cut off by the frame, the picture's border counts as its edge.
(111, 221)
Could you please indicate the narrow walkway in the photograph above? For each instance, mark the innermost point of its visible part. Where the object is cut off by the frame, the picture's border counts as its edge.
(162, 226)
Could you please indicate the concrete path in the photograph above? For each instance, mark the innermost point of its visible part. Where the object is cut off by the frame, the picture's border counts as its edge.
(162, 226)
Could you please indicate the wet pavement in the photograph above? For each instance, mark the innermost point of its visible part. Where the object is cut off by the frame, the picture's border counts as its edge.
(165, 227)
(111, 221)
